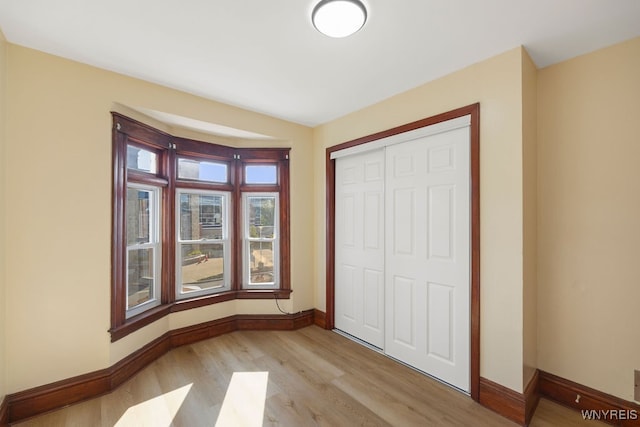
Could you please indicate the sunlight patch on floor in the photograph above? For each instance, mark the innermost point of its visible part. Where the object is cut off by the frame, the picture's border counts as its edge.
(243, 404)
(157, 412)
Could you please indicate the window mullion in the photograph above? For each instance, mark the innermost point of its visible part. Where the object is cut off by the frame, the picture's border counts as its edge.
(168, 231)
(237, 227)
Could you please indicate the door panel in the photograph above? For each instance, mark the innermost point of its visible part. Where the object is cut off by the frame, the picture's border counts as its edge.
(401, 297)
(403, 221)
(373, 287)
(374, 207)
(359, 246)
(440, 231)
(427, 269)
(439, 321)
(349, 288)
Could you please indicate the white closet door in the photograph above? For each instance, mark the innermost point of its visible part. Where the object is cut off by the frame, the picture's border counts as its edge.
(359, 246)
(427, 278)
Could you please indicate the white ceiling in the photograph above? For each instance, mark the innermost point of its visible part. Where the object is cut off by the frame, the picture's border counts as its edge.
(266, 56)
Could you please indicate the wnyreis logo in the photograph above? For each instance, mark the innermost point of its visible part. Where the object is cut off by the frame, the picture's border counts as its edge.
(609, 414)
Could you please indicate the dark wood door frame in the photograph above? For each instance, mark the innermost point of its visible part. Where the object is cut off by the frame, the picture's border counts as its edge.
(474, 111)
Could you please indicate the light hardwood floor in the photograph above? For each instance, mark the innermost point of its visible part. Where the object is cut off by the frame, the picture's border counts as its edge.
(309, 377)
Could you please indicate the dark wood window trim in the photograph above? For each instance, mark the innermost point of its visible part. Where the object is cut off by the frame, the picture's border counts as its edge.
(168, 149)
(474, 111)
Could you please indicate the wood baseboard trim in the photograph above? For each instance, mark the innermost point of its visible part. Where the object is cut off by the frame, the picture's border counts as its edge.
(126, 368)
(506, 402)
(4, 413)
(518, 407)
(531, 397)
(48, 397)
(320, 318)
(44, 398)
(566, 393)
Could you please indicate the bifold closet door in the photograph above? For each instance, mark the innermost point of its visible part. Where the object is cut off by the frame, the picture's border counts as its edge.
(427, 270)
(359, 246)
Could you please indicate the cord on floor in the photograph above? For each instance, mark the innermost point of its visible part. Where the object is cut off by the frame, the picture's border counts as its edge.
(275, 297)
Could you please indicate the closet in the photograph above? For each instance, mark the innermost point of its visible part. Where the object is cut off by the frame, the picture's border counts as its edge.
(402, 247)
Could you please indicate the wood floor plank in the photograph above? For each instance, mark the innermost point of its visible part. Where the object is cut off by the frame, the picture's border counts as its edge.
(551, 414)
(283, 411)
(320, 402)
(314, 378)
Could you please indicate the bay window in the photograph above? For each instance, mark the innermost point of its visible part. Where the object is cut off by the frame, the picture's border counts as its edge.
(194, 223)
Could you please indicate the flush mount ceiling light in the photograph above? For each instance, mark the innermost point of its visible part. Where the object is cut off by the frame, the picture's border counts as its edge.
(339, 18)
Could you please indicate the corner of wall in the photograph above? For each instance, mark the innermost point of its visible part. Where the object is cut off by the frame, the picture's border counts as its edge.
(3, 284)
(530, 213)
(319, 191)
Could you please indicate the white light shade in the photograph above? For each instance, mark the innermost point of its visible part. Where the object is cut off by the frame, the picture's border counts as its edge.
(339, 18)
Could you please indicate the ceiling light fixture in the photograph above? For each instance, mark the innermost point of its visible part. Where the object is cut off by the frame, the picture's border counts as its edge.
(339, 18)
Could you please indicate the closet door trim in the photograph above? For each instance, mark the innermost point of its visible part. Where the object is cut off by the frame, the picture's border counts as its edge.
(407, 136)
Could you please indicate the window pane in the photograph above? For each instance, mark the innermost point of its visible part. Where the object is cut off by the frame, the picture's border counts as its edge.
(201, 216)
(203, 171)
(262, 174)
(262, 217)
(261, 262)
(138, 215)
(142, 160)
(202, 266)
(140, 276)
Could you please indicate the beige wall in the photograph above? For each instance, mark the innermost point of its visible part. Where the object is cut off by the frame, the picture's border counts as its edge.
(559, 230)
(3, 111)
(588, 218)
(58, 268)
(497, 84)
(530, 213)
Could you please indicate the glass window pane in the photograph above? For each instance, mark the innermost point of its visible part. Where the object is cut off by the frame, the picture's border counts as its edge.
(201, 216)
(140, 276)
(138, 211)
(262, 211)
(141, 159)
(261, 262)
(202, 171)
(261, 174)
(202, 266)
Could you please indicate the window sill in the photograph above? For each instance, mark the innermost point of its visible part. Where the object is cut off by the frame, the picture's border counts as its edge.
(156, 313)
